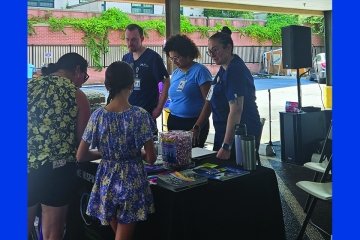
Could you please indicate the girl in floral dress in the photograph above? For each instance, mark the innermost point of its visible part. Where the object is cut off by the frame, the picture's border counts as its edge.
(121, 195)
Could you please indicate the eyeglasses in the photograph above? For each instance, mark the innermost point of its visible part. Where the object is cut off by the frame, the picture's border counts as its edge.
(86, 77)
(175, 58)
(213, 51)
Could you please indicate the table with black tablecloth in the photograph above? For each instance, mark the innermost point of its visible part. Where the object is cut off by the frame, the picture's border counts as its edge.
(247, 207)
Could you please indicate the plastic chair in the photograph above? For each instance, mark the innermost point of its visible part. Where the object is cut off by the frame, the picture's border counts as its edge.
(319, 162)
(317, 191)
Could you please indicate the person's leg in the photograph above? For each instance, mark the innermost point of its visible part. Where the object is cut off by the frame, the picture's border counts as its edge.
(53, 222)
(257, 155)
(114, 224)
(31, 218)
(35, 194)
(124, 231)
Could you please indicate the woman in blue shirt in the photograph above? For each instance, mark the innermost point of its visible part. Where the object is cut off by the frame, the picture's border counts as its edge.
(231, 97)
(189, 85)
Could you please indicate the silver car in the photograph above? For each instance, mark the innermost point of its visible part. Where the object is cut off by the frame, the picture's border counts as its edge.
(318, 72)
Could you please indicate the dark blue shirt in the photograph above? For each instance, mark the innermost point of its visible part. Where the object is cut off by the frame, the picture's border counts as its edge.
(149, 70)
(235, 81)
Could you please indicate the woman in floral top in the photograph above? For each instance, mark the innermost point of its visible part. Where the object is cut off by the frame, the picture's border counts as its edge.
(58, 112)
(121, 195)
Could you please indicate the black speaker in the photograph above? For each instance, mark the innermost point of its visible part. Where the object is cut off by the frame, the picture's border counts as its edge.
(300, 134)
(296, 47)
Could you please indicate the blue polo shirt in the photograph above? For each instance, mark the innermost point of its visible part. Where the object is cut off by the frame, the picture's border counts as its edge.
(234, 82)
(185, 94)
(149, 70)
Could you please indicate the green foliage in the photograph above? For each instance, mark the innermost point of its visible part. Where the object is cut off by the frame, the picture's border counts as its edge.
(228, 14)
(96, 29)
(272, 29)
(317, 24)
(154, 24)
(186, 26)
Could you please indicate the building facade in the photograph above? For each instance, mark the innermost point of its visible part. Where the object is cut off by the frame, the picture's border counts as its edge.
(99, 6)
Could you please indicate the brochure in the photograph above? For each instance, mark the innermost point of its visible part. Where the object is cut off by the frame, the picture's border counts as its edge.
(220, 174)
(180, 180)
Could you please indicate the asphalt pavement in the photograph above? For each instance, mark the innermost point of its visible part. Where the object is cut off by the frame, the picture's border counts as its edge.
(282, 89)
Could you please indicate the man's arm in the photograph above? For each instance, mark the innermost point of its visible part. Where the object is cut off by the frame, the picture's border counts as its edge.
(162, 99)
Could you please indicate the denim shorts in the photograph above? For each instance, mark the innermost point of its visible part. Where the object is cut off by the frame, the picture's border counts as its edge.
(50, 186)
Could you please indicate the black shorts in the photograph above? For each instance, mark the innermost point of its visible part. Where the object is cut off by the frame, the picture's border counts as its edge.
(52, 187)
(186, 124)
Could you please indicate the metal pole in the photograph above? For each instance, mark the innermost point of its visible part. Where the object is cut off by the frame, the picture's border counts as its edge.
(298, 88)
(270, 142)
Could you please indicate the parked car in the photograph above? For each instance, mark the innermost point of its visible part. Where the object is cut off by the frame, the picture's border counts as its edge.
(318, 71)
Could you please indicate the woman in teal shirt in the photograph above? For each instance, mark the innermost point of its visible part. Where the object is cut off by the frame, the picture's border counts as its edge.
(189, 85)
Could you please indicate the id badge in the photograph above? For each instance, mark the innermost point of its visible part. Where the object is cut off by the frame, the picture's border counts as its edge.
(181, 86)
(137, 86)
(210, 93)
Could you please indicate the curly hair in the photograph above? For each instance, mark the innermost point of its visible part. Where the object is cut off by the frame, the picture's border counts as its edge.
(182, 45)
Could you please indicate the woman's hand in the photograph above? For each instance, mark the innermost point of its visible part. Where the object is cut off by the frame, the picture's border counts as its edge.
(223, 154)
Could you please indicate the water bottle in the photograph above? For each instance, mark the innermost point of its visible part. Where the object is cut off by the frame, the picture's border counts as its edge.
(240, 130)
(248, 152)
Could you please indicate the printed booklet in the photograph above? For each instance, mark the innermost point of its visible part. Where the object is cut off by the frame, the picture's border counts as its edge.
(180, 180)
(211, 171)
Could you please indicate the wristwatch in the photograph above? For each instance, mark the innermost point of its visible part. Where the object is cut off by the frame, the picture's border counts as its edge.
(226, 146)
(196, 127)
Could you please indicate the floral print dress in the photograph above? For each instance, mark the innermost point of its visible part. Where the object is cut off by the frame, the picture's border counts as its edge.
(121, 189)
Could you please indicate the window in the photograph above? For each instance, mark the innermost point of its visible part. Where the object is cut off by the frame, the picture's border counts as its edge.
(41, 3)
(142, 8)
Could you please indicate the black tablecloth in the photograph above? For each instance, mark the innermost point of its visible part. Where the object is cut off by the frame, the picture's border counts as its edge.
(247, 207)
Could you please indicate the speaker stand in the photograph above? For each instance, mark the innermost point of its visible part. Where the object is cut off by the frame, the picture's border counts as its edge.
(298, 77)
(267, 149)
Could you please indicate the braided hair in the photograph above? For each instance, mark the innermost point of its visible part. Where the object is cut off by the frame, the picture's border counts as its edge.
(118, 76)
